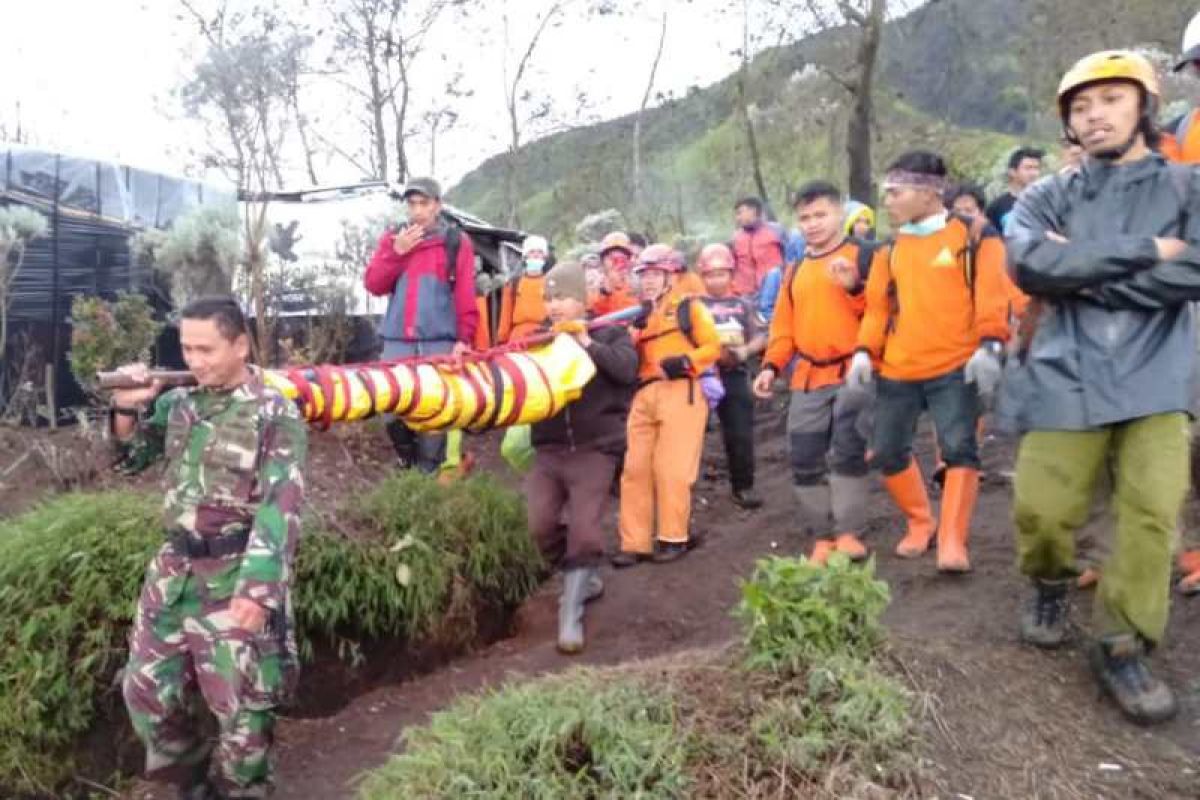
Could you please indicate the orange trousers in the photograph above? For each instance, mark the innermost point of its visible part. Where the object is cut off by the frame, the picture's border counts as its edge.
(666, 438)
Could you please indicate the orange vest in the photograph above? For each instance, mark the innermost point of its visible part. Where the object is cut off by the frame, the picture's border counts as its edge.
(755, 253)
(608, 302)
(816, 319)
(663, 338)
(1183, 144)
(522, 308)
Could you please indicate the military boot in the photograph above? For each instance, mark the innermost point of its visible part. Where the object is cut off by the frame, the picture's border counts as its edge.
(577, 584)
(1120, 667)
(1044, 623)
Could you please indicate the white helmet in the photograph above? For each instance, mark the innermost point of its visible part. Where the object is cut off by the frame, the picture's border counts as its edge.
(1191, 44)
(534, 243)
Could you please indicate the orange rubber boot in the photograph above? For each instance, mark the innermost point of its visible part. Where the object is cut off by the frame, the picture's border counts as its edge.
(821, 551)
(907, 489)
(958, 504)
(851, 545)
(1189, 565)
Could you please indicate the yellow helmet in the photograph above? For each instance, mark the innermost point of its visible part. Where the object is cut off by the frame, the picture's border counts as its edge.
(1110, 65)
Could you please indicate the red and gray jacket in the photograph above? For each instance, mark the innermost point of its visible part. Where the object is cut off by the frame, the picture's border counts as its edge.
(426, 304)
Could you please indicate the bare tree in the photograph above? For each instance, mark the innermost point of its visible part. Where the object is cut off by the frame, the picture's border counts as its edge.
(517, 100)
(382, 39)
(240, 92)
(743, 78)
(639, 199)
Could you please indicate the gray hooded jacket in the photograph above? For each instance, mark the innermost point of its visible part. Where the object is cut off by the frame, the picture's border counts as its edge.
(1116, 339)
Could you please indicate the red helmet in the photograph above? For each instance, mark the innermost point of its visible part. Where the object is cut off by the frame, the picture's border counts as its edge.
(714, 257)
(660, 256)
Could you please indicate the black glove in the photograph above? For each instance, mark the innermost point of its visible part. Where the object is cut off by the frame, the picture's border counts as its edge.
(676, 366)
(643, 319)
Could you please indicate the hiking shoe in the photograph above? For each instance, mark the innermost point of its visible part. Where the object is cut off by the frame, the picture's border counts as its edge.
(595, 587)
(747, 499)
(623, 559)
(1119, 665)
(669, 551)
(1044, 623)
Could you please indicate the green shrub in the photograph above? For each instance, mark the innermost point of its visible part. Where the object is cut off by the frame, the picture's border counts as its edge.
(432, 549)
(106, 335)
(796, 613)
(578, 735)
(71, 569)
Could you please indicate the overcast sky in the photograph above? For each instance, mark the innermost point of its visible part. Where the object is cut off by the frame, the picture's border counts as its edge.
(95, 77)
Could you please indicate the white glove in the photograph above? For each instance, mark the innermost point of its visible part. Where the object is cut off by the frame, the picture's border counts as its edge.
(860, 375)
(984, 369)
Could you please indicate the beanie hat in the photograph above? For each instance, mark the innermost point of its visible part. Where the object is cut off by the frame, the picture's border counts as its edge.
(567, 280)
(532, 243)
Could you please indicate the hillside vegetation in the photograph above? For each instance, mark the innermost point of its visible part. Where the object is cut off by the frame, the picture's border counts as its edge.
(972, 79)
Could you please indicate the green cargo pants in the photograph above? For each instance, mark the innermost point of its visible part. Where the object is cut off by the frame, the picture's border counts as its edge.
(1056, 474)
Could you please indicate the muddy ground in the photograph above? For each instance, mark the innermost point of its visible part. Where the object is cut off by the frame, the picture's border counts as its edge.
(1000, 720)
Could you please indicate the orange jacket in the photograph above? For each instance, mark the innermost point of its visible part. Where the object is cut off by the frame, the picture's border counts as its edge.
(522, 308)
(483, 332)
(755, 253)
(817, 320)
(933, 322)
(1188, 150)
(662, 337)
(608, 302)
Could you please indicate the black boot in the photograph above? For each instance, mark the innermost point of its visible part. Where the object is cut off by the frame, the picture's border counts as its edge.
(1044, 623)
(670, 551)
(404, 442)
(747, 499)
(1119, 665)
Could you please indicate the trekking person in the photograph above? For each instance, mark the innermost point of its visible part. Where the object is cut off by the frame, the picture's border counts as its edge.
(426, 269)
(935, 322)
(215, 613)
(1108, 252)
(860, 221)
(1181, 143)
(676, 343)
(757, 247)
(522, 303)
(576, 453)
(816, 322)
(742, 338)
(1181, 140)
(1024, 167)
(616, 254)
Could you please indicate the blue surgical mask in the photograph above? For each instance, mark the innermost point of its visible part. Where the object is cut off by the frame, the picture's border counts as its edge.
(926, 227)
(534, 266)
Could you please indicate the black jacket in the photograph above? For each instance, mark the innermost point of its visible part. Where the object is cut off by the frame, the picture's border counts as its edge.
(597, 419)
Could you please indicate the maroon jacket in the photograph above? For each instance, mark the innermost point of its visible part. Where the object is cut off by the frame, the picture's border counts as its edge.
(422, 307)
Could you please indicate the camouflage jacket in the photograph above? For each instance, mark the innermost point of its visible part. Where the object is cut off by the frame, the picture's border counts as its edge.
(231, 463)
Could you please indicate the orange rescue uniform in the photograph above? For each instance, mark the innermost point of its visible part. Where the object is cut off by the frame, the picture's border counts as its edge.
(522, 308)
(923, 318)
(1187, 150)
(666, 426)
(816, 319)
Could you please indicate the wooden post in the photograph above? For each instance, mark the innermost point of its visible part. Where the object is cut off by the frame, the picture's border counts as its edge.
(51, 401)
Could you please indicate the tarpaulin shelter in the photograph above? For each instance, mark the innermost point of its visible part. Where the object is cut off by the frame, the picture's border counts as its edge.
(92, 208)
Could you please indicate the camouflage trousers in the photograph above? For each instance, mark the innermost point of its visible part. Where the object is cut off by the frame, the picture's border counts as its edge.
(183, 641)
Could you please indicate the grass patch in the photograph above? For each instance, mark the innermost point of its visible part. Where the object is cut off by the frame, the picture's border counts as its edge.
(430, 559)
(801, 708)
(567, 736)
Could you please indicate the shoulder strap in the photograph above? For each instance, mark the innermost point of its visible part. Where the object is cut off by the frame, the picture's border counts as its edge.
(453, 245)
(683, 314)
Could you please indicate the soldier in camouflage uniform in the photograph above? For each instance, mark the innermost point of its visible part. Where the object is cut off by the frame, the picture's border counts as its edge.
(214, 611)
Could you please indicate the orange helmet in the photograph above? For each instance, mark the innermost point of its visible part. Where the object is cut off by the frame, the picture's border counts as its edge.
(660, 256)
(617, 240)
(714, 257)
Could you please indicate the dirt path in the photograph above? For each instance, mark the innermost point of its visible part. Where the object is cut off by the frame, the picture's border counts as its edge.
(1004, 721)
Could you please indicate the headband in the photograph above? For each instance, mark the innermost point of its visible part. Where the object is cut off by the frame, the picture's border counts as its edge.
(915, 180)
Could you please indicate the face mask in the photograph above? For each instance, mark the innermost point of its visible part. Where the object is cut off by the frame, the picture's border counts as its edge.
(534, 266)
(926, 227)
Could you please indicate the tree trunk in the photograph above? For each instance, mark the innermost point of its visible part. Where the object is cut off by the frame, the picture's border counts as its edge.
(639, 199)
(744, 107)
(858, 133)
(377, 99)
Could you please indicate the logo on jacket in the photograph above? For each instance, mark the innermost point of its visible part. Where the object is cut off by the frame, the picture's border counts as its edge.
(944, 258)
